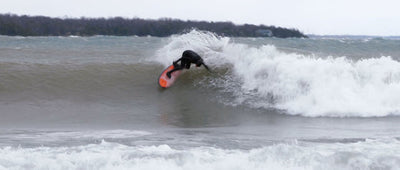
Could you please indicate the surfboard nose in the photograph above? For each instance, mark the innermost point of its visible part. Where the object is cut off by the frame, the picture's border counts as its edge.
(163, 83)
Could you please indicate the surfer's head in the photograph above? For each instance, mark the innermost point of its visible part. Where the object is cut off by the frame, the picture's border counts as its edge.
(199, 63)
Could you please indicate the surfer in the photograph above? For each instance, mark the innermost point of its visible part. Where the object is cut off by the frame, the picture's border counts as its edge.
(188, 57)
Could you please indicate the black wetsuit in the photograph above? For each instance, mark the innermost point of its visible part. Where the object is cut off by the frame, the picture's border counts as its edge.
(188, 57)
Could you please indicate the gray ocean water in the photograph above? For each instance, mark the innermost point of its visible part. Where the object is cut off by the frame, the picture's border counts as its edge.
(94, 103)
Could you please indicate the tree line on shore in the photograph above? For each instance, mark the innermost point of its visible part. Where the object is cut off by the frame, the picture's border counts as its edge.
(14, 25)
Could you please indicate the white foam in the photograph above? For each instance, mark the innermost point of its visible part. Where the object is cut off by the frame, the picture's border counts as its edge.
(98, 134)
(205, 43)
(371, 154)
(300, 84)
(313, 86)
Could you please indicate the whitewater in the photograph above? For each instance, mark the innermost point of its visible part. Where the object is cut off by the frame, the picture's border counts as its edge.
(269, 103)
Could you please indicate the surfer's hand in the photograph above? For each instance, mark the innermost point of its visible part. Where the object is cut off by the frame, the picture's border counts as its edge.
(169, 75)
(205, 66)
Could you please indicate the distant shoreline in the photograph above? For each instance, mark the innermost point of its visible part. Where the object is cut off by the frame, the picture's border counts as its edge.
(352, 36)
(15, 25)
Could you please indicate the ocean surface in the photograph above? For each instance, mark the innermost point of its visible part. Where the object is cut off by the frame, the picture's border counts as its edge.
(94, 103)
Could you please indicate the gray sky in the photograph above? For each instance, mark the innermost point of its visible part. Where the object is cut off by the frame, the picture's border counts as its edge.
(323, 17)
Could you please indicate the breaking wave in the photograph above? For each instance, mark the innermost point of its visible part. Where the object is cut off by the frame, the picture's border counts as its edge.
(264, 77)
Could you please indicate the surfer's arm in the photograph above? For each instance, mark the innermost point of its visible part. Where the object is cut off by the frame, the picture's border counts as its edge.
(176, 68)
(205, 66)
(176, 62)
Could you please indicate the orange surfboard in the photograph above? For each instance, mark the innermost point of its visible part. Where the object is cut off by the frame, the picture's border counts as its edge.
(166, 82)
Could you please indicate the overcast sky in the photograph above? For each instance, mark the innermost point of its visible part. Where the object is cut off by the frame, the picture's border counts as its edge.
(323, 17)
